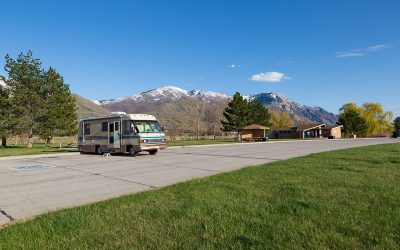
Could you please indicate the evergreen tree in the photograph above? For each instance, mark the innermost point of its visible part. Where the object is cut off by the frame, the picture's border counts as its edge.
(396, 123)
(41, 104)
(258, 114)
(352, 121)
(60, 116)
(235, 114)
(25, 83)
(5, 114)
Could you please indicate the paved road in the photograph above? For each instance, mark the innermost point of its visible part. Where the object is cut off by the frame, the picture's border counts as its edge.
(31, 186)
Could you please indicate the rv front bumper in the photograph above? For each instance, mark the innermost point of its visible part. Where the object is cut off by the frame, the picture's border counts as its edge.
(149, 147)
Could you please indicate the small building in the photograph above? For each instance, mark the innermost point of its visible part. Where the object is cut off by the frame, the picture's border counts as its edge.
(308, 131)
(254, 132)
(334, 131)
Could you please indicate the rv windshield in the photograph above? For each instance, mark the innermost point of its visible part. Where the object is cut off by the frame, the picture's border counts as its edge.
(148, 126)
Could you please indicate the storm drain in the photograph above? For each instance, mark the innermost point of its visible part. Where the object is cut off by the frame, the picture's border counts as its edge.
(32, 167)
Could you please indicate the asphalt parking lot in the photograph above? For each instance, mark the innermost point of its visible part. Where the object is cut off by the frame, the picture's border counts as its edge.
(33, 185)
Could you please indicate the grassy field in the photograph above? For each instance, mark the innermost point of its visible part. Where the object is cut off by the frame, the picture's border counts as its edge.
(200, 142)
(36, 149)
(342, 199)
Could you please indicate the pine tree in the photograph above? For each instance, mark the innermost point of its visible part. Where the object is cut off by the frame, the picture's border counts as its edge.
(235, 114)
(352, 122)
(60, 116)
(41, 103)
(258, 114)
(396, 123)
(5, 114)
(25, 81)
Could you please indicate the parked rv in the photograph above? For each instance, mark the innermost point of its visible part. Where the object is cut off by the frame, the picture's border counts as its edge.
(121, 133)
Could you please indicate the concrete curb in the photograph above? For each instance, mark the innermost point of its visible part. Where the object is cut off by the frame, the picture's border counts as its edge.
(269, 142)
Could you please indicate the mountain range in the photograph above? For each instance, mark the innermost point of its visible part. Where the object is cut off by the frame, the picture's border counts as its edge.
(173, 99)
(174, 106)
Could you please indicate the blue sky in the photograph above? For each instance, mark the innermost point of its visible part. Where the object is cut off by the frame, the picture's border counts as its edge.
(323, 53)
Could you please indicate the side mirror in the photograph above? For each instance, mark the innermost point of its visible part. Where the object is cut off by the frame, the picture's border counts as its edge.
(162, 129)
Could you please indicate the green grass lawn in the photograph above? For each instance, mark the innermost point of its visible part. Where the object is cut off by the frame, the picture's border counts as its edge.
(36, 149)
(200, 142)
(347, 199)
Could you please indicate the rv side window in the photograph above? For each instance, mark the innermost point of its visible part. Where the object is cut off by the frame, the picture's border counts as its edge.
(86, 129)
(104, 126)
(128, 127)
(116, 126)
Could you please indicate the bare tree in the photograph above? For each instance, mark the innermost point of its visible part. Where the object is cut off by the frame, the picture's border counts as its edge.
(196, 114)
(213, 115)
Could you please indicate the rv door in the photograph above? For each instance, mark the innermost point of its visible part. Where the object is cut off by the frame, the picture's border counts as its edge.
(114, 139)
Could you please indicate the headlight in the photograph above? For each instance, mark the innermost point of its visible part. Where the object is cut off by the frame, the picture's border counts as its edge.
(141, 140)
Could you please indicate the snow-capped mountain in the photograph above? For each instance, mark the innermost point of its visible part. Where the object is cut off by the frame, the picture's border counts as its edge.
(156, 99)
(299, 112)
(165, 94)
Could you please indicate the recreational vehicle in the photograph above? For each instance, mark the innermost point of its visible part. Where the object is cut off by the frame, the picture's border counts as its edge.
(121, 133)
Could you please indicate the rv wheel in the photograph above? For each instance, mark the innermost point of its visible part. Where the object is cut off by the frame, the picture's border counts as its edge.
(132, 152)
(98, 150)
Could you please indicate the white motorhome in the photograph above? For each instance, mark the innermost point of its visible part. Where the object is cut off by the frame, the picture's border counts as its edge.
(121, 133)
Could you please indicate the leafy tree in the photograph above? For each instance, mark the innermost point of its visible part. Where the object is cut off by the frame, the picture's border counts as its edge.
(378, 121)
(25, 83)
(281, 120)
(396, 123)
(258, 114)
(352, 121)
(60, 116)
(235, 114)
(351, 106)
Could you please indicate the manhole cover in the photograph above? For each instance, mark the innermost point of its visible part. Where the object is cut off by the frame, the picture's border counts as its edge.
(32, 167)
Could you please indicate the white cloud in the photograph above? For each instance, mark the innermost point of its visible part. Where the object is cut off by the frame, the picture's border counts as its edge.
(270, 76)
(362, 51)
(345, 54)
(378, 47)
(234, 66)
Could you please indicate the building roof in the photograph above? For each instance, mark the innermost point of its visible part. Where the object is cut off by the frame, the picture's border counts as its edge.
(305, 127)
(333, 126)
(255, 126)
(308, 126)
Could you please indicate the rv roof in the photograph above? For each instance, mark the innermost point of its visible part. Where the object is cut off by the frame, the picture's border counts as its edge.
(138, 117)
(144, 117)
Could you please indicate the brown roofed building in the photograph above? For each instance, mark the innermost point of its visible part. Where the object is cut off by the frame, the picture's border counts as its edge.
(254, 132)
(310, 130)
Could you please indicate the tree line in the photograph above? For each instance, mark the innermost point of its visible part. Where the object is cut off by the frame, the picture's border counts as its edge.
(35, 101)
(370, 119)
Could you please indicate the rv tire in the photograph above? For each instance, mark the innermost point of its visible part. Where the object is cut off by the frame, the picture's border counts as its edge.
(132, 152)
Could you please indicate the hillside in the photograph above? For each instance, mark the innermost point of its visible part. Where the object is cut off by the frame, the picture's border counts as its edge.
(87, 108)
(170, 103)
